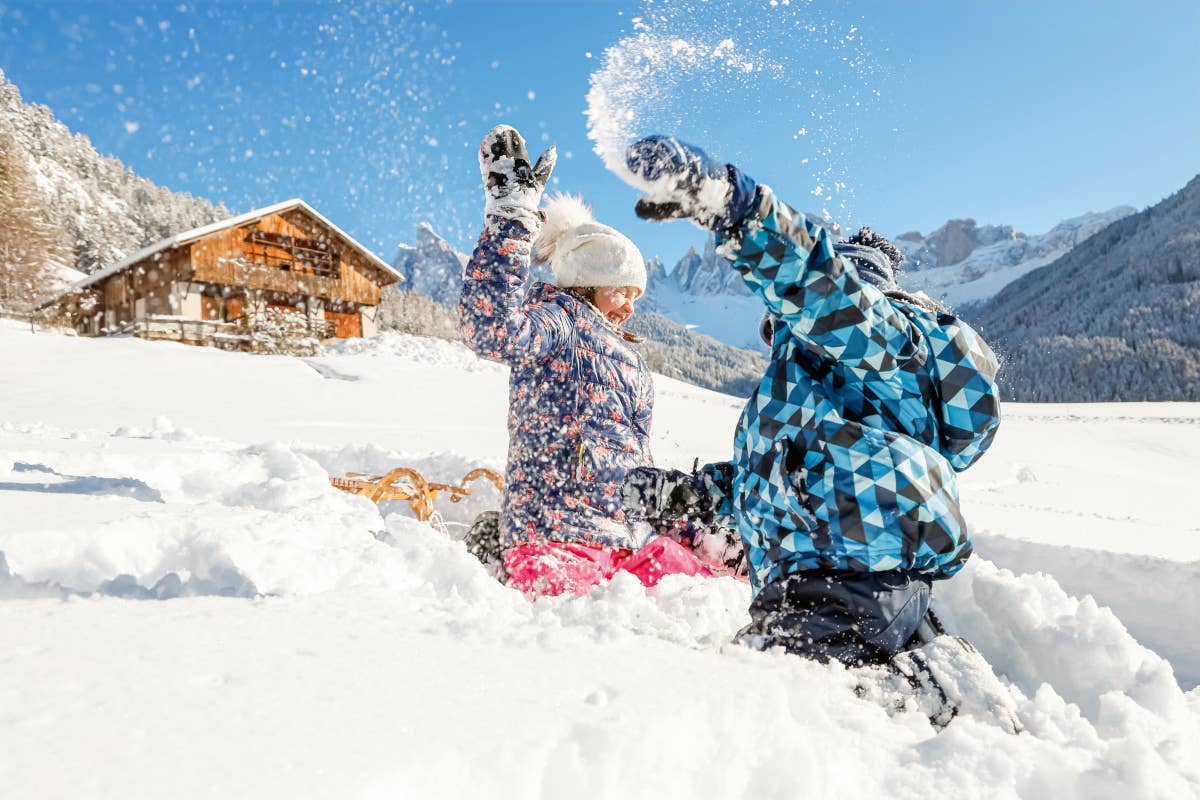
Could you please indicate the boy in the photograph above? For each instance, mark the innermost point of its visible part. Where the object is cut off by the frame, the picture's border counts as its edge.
(842, 484)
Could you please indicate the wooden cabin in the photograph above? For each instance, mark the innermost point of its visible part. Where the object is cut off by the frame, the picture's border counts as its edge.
(225, 284)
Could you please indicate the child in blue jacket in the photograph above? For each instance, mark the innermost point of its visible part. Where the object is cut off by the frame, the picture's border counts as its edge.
(842, 485)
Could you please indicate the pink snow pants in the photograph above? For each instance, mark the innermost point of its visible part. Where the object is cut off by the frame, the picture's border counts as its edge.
(553, 568)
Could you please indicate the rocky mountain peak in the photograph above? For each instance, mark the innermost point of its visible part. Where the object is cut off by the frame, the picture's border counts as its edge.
(998, 255)
(656, 273)
(433, 267)
(952, 243)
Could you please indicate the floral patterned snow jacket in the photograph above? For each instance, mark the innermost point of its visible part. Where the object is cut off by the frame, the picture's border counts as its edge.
(580, 397)
(845, 456)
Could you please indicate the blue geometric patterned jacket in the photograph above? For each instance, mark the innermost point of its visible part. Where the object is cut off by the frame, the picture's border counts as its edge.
(580, 398)
(845, 456)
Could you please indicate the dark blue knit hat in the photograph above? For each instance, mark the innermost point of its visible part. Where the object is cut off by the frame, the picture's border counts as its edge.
(877, 260)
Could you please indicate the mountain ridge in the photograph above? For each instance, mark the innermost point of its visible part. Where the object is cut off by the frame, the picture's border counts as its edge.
(987, 258)
(1114, 318)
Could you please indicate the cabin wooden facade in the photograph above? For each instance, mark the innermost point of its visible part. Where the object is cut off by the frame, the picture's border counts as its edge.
(226, 282)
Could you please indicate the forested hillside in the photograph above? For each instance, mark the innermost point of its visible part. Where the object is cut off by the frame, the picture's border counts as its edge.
(1113, 319)
(63, 205)
(672, 349)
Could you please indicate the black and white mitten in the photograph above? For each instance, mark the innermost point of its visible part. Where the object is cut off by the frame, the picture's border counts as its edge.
(513, 188)
(665, 495)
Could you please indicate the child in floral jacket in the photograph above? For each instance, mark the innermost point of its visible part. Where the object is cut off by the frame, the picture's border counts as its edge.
(580, 397)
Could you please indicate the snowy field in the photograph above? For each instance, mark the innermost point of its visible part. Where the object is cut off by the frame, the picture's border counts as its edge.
(188, 609)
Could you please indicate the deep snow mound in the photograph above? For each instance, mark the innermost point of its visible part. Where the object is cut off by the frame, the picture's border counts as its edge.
(353, 637)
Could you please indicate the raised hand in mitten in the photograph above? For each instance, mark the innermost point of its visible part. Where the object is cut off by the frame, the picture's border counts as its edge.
(686, 183)
(513, 187)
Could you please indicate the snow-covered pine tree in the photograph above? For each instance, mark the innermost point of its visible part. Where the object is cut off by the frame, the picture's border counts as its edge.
(411, 312)
(107, 211)
(32, 249)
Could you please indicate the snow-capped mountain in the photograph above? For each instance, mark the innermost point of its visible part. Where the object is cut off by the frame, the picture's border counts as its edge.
(703, 294)
(951, 243)
(962, 263)
(707, 274)
(432, 267)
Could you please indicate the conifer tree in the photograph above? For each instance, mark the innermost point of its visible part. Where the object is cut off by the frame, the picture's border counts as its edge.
(31, 248)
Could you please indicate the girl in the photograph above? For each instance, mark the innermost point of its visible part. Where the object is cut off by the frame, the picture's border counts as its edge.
(580, 397)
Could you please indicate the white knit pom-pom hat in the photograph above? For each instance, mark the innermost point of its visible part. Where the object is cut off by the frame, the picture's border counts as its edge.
(582, 252)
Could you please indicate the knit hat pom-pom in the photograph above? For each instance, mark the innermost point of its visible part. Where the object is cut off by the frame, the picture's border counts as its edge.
(869, 238)
(563, 212)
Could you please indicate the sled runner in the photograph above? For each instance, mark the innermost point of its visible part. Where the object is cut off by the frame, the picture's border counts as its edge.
(405, 483)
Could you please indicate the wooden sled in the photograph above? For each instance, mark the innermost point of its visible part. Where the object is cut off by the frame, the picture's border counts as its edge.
(405, 483)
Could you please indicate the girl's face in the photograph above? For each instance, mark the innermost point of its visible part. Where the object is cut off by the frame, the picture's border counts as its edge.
(616, 302)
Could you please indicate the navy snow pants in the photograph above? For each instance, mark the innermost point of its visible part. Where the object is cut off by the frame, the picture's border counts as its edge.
(852, 617)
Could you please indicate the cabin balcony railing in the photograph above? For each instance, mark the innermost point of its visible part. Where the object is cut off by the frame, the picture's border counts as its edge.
(192, 331)
(240, 334)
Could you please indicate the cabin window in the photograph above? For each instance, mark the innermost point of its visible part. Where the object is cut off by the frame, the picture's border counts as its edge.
(293, 254)
(222, 308)
(212, 309)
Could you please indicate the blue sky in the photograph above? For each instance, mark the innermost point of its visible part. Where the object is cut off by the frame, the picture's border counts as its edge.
(1009, 112)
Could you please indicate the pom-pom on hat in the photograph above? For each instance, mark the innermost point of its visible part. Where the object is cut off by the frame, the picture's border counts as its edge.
(877, 259)
(582, 252)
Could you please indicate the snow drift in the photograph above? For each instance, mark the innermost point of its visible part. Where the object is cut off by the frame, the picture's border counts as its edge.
(188, 603)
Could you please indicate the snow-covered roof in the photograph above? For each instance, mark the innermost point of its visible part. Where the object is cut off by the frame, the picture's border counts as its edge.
(187, 237)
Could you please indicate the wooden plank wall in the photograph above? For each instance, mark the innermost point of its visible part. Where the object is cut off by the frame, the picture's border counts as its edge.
(226, 258)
